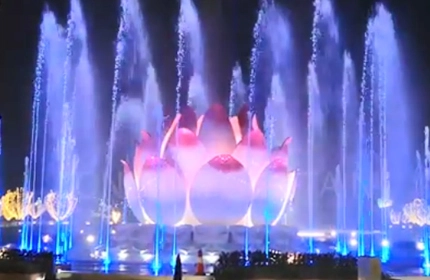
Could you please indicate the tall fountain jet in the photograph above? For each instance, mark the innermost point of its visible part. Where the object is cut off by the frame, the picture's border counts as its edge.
(237, 91)
(426, 234)
(53, 158)
(48, 23)
(387, 120)
(281, 54)
(132, 59)
(86, 99)
(314, 117)
(276, 111)
(61, 100)
(49, 53)
(348, 122)
(324, 38)
(152, 106)
(258, 35)
(191, 36)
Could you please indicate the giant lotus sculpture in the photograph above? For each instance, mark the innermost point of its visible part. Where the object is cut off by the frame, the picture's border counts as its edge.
(210, 170)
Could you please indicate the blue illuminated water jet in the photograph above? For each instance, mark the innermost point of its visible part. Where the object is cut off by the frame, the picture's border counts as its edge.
(385, 158)
(84, 90)
(121, 40)
(325, 38)
(258, 36)
(348, 89)
(426, 234)
(63, 126)
(47, 22)
(131, 60)
(281, 55)
(153, 113)
(63, 72)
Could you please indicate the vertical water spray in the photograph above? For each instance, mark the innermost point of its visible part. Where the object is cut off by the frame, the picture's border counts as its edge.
(392, 109)
(180, 57)
(153, 111)
(310, 130)
(426, 236)
(385, 201)
(313, 92)
(281, 54)
(191, 34)
(255, 53)
(371, 140)
(315, 31)
(379, 91)
(116, 91)
(84, 91)
(274, 101)
(269, 131)
(43, 173)
(362, 185)
(37, 85)
(360, 181)
(237, 90)
(386, 120)
(346, 95)
(324, 39)
(26, 183)
(66, 142)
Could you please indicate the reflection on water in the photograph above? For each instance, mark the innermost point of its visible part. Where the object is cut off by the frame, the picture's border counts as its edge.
(125, 268)
(145, 269)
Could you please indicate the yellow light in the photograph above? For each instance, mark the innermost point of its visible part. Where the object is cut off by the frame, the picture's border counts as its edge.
(416, 212)
(115, 216)
(15, 204)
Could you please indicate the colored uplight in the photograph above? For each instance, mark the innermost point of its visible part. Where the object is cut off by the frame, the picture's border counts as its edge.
(353, 242)
(90, 239)
(385, 243)
(420, 246)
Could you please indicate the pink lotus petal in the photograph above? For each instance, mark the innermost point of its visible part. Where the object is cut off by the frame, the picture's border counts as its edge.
(187, 151)
(131, 192)
(275, 188)
(216, 133)
(143, 150)
(221, 192)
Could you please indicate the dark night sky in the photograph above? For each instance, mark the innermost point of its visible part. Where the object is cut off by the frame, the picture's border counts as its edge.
(229, 25)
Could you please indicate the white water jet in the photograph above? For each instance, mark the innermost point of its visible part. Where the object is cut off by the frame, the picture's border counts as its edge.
(392, 107)
(327, 19)
(192, 26)
(190, 29)
(237, 90)
(137, 40)
(84, 89)
(279, 34)
(152, 106)
(276, 109)
(129, 117)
